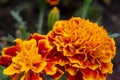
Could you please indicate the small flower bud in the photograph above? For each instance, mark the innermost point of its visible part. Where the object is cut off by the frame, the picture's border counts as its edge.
(53, 16)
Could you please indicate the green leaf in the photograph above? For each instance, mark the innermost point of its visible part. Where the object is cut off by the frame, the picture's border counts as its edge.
(25, 34)
(22, 25)
(64, 77)
(47, 77)
(16, 16)
(2, 76)
(114, 35)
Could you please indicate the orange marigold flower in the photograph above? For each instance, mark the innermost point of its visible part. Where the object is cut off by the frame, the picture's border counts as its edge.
(85, 46)
(53, 2)
(28, 59)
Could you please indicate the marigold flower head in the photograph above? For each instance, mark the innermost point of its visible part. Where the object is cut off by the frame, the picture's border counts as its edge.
(85, 46)
(28, 59)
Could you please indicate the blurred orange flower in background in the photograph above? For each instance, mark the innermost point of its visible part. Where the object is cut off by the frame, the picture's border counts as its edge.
(53, 2)
(83, 48)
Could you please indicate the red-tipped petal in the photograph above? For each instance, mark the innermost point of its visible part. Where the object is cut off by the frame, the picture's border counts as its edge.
(5, 60)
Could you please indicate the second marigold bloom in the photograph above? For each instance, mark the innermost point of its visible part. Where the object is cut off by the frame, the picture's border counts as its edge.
(86, 47)
(28, 60)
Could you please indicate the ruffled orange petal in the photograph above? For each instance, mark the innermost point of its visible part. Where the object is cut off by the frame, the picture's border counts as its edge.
(5, 60)
(63, 60)
(59, 27)
(37, 36)
(59, 43)
(79, 59)
(106, 68)
(44, 48)
(15, 77)
(36, 76)
(92, 63)
(90, 74)
(18, 44)
(102, 76)
(11, 51)
(50, 68)
(32, 76)
(71, 70)
(58, 74)
(69, 50)
(78, 76)
(28, 45)
(38, 67)
(12, 69)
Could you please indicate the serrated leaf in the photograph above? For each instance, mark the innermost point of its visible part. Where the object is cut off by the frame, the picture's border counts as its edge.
(16, 16)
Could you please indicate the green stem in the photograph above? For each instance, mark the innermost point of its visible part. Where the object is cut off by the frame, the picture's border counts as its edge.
(85, 7)
(41, 16)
